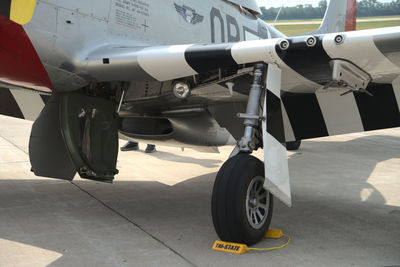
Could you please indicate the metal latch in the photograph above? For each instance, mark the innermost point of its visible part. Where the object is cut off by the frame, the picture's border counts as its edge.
(346, 74)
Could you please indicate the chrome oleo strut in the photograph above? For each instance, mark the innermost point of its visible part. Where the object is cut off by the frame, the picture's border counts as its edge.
(252, 116)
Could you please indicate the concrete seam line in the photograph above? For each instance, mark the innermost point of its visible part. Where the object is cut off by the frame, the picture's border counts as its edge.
(133, 223)
(14, 145)
(117, 212)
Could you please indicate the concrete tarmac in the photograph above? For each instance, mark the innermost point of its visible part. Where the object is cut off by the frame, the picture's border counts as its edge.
(346, 212)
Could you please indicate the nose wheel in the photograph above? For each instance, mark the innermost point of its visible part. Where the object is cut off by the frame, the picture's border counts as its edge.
(241, 207)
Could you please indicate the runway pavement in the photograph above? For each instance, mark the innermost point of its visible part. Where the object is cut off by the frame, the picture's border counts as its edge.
(346, 193)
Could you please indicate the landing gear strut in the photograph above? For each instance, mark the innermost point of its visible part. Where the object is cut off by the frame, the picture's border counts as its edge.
(241, 207)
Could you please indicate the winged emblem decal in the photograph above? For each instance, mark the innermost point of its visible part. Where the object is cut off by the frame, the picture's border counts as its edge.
(189, 14)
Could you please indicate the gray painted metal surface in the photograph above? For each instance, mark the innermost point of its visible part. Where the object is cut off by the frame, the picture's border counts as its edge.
(67, 34)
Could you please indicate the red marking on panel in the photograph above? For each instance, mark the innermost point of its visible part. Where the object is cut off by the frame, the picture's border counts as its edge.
(351, 15)
(20, 65)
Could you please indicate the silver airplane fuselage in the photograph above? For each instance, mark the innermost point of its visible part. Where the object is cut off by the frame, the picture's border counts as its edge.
(65, 32)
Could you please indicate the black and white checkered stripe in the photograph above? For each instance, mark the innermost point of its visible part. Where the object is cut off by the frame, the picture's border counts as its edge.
(305, 115)
(23, 104)
(177, 61)
(324, 113)
(329, 112)
(374, 51)
(275, 158)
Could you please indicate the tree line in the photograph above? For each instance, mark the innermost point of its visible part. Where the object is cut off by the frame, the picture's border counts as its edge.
(365, 8)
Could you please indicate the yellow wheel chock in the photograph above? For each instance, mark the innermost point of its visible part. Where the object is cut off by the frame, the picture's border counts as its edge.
(237, 248)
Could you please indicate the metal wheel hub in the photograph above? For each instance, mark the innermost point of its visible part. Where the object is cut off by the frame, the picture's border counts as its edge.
(257, 203)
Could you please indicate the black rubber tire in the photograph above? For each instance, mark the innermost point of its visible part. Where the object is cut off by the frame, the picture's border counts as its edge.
(293, 146)
(228, 203)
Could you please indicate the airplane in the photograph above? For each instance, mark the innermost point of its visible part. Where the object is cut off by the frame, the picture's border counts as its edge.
(197, 74)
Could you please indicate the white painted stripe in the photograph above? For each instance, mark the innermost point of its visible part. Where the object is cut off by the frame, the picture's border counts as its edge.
(264, 51)
(274, 84)
(277, 179)
(340, 113)
(255, 51)
(396, 89)
(30, 103)
(165, 63)
(359, 48)
(274, 80)
(29, 85)
(289, 134)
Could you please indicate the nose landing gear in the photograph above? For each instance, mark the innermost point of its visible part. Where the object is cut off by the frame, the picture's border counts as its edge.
(257, 199)
(241, 207)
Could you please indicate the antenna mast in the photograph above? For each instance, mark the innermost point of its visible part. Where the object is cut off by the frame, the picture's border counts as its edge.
(277, 16)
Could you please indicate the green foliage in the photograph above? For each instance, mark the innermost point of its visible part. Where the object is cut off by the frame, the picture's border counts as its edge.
(365, 8)
(369, 8)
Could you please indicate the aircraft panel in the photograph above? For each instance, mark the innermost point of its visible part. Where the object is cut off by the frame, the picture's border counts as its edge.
(340, 111)
(380, 111)
(396, 89)
(98, 9)
(30, 103)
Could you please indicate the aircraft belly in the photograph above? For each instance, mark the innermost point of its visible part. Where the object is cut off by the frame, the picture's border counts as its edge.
(176, 128)
(64, 81)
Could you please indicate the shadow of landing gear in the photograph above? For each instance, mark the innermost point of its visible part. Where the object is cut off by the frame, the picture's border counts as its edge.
(330, 223)
(207, 163)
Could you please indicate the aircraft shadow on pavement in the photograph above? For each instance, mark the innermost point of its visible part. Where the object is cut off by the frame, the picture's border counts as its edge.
(207, 163)
(328, 211)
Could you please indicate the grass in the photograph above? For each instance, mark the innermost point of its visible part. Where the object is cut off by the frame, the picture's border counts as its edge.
(297, 29)
(380, 17)
(377, 24)
(301, 20)
(294, 29)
